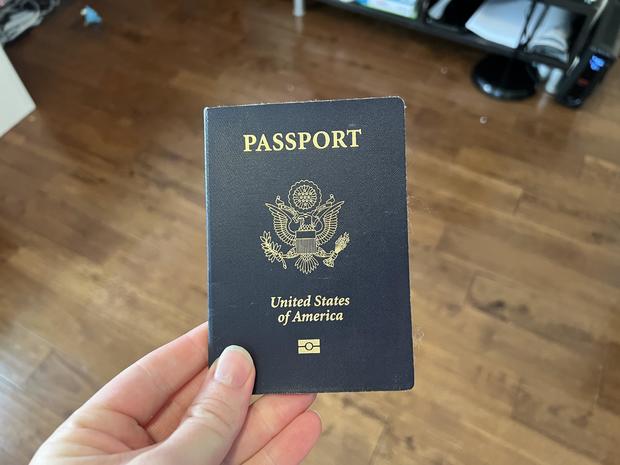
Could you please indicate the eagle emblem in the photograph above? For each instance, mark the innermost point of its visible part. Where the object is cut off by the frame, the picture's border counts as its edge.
(306, 224)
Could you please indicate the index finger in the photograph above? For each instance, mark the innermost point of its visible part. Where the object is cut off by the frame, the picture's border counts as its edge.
(142, 389)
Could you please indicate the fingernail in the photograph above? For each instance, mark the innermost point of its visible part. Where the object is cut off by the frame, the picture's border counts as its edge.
(234, 367)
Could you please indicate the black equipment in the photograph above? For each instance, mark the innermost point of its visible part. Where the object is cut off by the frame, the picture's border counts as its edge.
(597, 57)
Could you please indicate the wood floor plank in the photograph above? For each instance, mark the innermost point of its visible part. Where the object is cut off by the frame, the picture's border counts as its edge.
(588, 227)
(580, 426)
(499, 438)
(349, 436)
(550, 316)
(21, 352)
(593, 262)
(69, 228)
(30, 423)
(72, 386)
(523, 354)
(565, 193)
(439, 277)
(426, 230)
(108, 295)
(97, 345)
(7, 457)
(463, 183)
(601, 172)
(609, 395)
(528, 267)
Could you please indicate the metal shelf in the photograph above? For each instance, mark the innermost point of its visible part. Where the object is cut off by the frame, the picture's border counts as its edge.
(577, 6)
(582, 7)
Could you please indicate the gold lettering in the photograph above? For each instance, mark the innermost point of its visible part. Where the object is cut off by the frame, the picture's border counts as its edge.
(263, 143)
(278, 145)
(304, 138)
(291, 142)
(249, 141)
(338, 139)
(300, 317)
(353, 133)
(315, 140)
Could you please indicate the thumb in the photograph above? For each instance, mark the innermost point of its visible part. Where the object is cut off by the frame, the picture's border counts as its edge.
(216, 415)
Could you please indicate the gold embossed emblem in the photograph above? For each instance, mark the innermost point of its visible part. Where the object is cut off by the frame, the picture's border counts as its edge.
(306, 224)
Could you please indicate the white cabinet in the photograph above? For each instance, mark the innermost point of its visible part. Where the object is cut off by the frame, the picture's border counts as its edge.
(15, 102)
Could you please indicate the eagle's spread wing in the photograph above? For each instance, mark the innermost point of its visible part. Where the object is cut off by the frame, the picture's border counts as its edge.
(330, 223)
(281, 221)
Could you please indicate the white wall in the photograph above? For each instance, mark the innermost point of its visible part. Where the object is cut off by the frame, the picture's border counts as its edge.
(15, 102)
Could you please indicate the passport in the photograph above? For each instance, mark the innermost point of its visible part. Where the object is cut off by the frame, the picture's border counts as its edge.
(308, 264)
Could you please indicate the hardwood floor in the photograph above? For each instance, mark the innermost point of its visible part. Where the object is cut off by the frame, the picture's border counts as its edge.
(515, 227)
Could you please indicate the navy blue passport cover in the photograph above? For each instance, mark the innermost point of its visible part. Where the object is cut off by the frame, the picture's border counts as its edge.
(307, 243)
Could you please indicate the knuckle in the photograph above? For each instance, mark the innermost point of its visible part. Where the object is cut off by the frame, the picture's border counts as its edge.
(215, 414)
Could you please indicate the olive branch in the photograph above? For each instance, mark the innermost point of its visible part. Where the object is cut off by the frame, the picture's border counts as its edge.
(272, 249)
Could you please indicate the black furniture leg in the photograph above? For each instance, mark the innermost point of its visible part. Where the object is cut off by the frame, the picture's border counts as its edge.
(508, 78)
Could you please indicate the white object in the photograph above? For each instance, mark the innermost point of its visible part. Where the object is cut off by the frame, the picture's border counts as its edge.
(438, 9)
(502, 22)
(555, 76)
(15, 102)
(406, 8)
(551, 38)
(299, 7)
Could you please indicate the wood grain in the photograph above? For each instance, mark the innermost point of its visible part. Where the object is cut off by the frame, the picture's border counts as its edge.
(514, 227)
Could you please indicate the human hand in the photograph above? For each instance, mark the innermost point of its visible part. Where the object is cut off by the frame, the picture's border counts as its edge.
(170, 408)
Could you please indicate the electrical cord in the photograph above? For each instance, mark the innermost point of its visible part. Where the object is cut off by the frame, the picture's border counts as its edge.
(17, 16)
